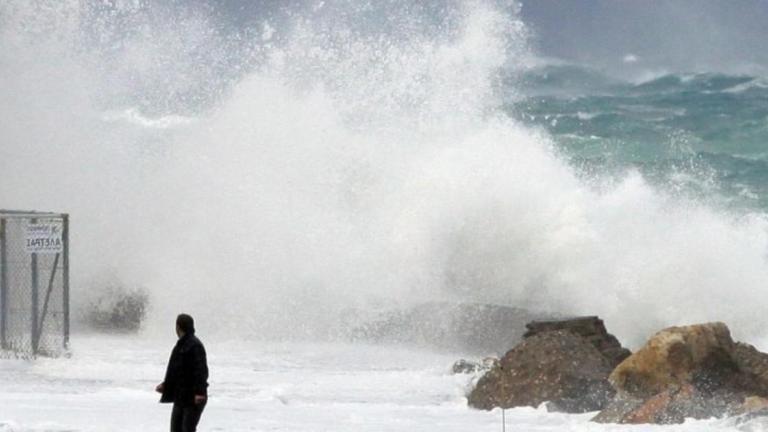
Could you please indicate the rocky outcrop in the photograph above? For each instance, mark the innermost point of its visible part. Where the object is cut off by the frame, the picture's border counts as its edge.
(694, 371)
(553, 364)
(116, 307)
(478, 328)
(591, 328)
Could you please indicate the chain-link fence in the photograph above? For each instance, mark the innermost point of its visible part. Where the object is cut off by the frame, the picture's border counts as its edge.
(34, 283)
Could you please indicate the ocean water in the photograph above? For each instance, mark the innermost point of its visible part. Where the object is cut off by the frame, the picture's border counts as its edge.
(286, 171)
(701, 134)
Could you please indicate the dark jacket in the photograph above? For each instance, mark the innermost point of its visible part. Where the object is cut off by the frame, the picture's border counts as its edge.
(187, 372)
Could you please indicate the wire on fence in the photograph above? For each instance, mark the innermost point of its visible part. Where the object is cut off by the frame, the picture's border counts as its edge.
(34, 283)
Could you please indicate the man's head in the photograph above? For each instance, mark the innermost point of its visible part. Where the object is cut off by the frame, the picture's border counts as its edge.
(184, 325)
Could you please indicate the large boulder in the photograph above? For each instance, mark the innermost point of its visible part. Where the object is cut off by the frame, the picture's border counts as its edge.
(558, 366)
(694, 371)
(674, 357)
(591, 328)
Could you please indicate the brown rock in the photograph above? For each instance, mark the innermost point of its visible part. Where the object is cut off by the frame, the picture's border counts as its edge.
(674, 357)
(651, 411)
(753, 365)
(590, 327)
(617, 409)
(668, 407)
(754, 404)
(556, 366)
(694, 371)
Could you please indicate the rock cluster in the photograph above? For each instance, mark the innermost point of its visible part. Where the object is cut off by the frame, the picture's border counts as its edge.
(575, 365)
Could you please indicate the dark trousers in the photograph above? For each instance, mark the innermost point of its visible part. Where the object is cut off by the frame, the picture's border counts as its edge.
(184, 418)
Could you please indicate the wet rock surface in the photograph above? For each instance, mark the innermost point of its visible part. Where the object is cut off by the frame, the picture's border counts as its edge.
(555, 366)
(591, 328)
(695, 371)
(575, 365)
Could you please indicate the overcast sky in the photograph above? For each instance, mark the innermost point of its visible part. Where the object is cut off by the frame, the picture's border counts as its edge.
(729, 35)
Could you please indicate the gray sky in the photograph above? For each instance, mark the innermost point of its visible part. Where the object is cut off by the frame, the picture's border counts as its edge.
(727, 35)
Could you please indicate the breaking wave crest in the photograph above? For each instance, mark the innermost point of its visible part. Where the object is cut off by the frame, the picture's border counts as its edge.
(332, 157)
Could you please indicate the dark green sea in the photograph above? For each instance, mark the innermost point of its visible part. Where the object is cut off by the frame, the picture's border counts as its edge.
(703, 134)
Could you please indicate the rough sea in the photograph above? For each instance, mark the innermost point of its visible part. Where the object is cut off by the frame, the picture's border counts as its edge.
(286, 171)
(702, 134)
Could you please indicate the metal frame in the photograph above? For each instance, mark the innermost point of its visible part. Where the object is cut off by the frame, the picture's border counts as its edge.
(65, 296)
(35, 302)
(3, 286)
(37, 316)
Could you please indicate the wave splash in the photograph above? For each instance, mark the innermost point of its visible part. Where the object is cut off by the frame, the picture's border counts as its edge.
(333, 158)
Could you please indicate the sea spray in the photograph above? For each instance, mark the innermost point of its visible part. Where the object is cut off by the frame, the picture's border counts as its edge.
(269, 180)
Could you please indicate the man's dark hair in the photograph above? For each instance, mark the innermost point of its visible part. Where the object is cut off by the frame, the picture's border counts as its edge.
(186, 323)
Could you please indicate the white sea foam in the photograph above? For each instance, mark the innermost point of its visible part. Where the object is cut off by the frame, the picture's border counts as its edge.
(757, 83)
(587, 116)
(108, 385)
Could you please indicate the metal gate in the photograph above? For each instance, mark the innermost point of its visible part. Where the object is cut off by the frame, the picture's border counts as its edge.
(34, 283)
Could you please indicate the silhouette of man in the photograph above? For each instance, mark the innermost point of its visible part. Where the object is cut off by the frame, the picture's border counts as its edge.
(186, 378)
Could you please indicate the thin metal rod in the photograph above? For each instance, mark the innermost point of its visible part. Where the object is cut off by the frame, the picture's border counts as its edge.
(35, 300)
(3, 287)
(503, 421)
(65, 235)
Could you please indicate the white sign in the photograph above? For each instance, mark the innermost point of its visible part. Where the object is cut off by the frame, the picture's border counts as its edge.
(44, 238)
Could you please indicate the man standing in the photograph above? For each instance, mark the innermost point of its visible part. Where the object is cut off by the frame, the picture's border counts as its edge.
(186, 378)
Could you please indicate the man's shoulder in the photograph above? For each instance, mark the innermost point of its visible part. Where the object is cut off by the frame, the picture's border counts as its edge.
(193, 341)
(190, 342)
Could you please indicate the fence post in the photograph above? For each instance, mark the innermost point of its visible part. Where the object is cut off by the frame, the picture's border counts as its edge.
(35, 295)
(503, 420)
(65, 296)
(3, 286)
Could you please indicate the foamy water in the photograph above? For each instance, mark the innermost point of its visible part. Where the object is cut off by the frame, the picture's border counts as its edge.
(108, 385)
